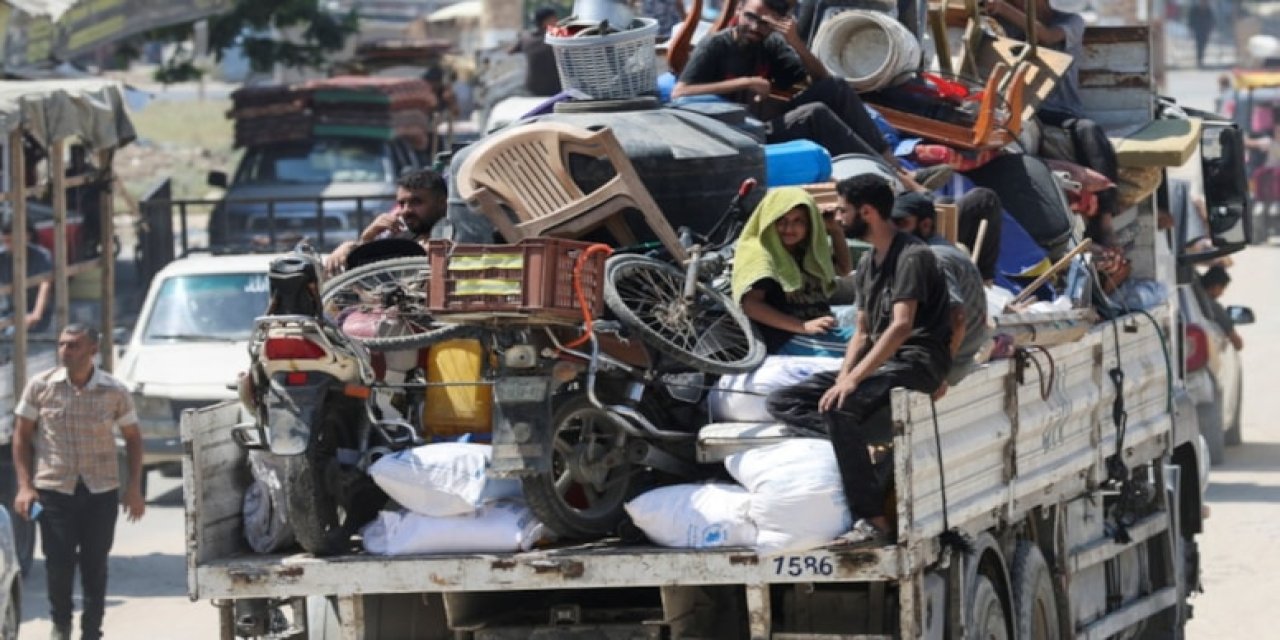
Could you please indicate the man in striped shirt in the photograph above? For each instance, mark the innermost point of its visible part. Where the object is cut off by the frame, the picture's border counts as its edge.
(64, 454)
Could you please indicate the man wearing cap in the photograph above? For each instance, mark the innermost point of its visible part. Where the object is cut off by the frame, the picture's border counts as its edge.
(901, 339)
(763, 54)
(914, 213)
(541, 77)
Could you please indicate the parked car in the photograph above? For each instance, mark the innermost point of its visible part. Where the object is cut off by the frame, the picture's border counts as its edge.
(281, 191)
(10, 579)
(1214, 376)
(190, 343)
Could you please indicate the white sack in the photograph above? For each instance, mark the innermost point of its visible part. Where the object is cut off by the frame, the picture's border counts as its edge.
(502, 526)
(695, 516)
(266, 523)
(740, 398)
(443, 479)
(797, 499)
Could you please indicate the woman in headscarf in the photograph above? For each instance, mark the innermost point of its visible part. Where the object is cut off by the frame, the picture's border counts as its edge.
(784, 274)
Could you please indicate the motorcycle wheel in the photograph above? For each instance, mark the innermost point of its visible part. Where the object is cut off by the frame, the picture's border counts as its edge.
(590, 479)
(710, 333)
(396, 288)
(311, 506)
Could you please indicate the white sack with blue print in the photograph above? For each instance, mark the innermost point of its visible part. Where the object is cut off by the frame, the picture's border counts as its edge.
(695, 516)
(442, 479)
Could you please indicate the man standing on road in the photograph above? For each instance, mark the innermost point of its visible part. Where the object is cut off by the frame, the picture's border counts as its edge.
(1200, 19)
(65, 430)
(900, 340)
(541, 76)
(421, 202)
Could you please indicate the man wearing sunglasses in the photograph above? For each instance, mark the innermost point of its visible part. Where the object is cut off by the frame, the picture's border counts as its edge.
(761, 56)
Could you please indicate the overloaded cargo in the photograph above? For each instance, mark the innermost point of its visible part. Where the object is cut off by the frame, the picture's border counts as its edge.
(612, 461)
(347, 106)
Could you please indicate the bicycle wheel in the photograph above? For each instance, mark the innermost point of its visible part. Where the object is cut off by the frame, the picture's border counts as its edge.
(708, 333)
(390, 296)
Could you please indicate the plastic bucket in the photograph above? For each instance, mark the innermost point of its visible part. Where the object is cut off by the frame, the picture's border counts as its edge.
(869, 48)
(796, 162)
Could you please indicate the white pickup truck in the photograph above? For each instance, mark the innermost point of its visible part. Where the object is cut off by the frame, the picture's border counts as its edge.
(1074, 469)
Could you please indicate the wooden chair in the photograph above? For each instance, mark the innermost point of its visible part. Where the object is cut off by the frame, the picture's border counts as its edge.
(526, 169)
(679, 47)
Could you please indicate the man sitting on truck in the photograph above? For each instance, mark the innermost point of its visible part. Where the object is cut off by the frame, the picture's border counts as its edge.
(420, 203)
(901, 339)
(914, 213)
(763, 54)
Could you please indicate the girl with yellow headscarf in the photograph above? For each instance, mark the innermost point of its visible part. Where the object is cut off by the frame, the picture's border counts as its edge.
(784, 274)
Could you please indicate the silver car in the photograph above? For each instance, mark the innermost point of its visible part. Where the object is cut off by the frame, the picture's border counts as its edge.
(1213, 373)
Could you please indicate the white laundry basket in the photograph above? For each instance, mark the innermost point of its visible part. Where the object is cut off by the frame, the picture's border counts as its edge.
(869, 48)
(611, 67)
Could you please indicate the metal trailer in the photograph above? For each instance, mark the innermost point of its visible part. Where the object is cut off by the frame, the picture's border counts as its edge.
(1082, 511)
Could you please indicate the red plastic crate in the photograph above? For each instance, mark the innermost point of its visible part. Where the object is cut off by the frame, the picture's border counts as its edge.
(531, 279)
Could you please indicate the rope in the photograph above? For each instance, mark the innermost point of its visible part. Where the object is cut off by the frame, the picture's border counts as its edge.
(1022, 356)
(587, 321)
(953, 538)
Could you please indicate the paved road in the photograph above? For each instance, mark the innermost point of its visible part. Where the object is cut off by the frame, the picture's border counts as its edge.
(1241, 568)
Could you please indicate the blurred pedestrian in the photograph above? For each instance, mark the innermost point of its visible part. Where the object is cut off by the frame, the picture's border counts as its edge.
(668, 13)
(542, 78)
(1214, 281)
(39, 262)
(1200, 20)
(64, 452)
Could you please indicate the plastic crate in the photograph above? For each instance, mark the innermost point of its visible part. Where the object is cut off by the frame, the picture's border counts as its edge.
(532, 279)
(611, 67)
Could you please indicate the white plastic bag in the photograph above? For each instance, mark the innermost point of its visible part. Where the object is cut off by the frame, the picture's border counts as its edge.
(797, 497)
(266, 524)
(741, 398)
(503, 526)
(695, 516)
(443, 479)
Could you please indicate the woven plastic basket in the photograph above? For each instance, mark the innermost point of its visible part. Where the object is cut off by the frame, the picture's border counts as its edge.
(619, 65)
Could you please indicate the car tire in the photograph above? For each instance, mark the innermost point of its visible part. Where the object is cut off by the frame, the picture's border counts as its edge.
(1233, 437)
(1209, 415)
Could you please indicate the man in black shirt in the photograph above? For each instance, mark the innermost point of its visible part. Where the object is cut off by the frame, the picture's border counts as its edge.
(763, 54)
(901, 339)
(541, 77)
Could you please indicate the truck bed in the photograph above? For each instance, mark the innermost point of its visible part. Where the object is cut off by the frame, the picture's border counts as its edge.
(1010, 443)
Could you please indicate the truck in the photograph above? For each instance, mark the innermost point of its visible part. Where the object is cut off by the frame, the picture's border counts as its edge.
(1056, 493)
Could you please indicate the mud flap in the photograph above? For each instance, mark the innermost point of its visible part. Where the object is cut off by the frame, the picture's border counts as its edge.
(522, 426)
(291, 411)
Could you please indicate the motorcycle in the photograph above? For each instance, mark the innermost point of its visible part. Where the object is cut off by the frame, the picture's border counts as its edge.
(318, 408)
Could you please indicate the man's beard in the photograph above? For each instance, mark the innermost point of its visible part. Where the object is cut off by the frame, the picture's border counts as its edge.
(857, 229)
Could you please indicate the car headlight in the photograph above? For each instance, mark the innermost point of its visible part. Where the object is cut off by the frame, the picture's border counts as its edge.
(153, 408)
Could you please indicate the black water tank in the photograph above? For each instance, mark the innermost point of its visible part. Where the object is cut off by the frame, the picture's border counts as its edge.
(692, 164)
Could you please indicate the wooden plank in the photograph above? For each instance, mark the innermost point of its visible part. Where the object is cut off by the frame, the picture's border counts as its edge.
(107, 293)
(1043, 71)
(1161, 143)
(61, 290)
(17, 179)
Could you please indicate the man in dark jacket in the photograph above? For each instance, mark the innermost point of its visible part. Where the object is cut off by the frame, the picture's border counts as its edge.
(542, 78)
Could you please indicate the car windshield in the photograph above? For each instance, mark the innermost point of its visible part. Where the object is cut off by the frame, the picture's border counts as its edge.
(321, 161)
(207, 308)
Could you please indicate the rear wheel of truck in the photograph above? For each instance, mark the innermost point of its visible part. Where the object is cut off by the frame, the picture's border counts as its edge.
(988, 619)
(591, 477)
(312, 508)
(1034, 599)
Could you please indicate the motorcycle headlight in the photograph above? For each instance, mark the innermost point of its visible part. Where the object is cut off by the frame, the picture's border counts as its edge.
(152, 408)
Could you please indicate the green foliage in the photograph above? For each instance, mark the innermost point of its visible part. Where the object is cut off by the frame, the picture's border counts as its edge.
(323, 32)
(251, 24)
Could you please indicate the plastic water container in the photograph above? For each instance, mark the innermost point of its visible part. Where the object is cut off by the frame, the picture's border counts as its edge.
(796, 162)
(457, 408)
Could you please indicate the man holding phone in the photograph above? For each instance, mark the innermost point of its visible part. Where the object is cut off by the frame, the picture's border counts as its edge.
(421, 202)
(762, 55)
(64, 455)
